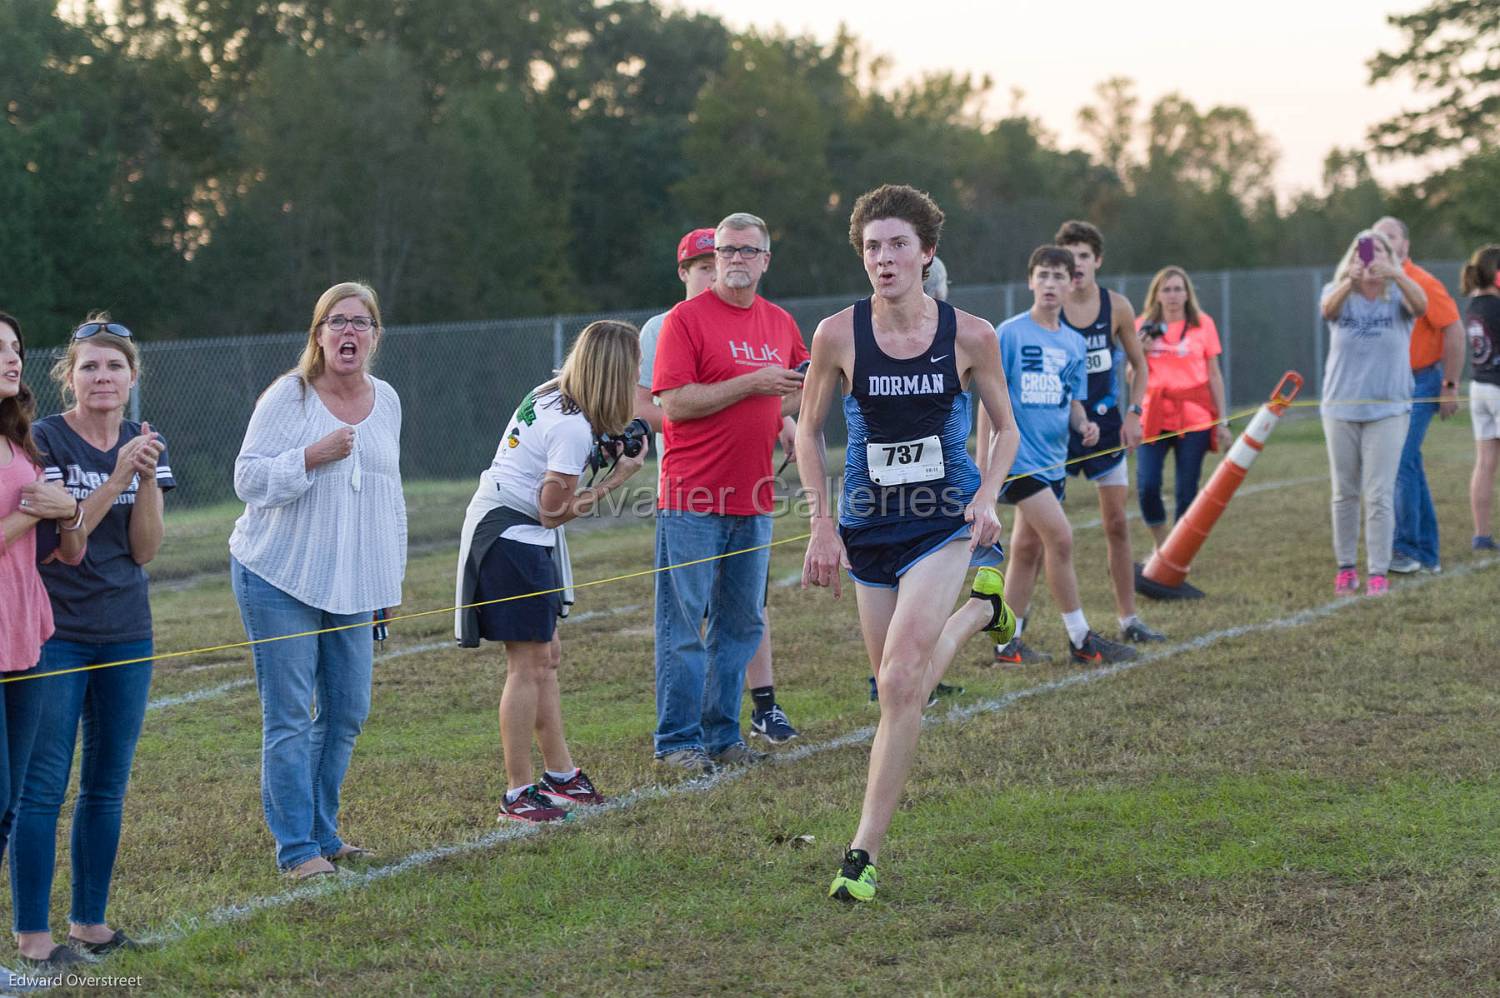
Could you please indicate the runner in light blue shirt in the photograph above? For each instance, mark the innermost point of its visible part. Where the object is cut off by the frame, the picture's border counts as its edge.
(1045, 369)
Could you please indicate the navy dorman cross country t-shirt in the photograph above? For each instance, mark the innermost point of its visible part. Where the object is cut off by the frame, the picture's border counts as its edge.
(102, 600)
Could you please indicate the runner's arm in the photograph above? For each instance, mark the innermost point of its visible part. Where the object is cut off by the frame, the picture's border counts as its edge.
(999, 437)
(1135, 358)
(825, 552)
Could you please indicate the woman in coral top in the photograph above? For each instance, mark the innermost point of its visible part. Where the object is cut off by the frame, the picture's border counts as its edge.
(1185, 397)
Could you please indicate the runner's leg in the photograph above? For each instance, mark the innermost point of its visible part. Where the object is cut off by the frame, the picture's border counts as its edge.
(1044, 515)
(926, 591)
(1023, 562)
(1117, 535)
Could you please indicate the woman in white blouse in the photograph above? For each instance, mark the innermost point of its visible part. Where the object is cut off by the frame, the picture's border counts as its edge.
(322, 544)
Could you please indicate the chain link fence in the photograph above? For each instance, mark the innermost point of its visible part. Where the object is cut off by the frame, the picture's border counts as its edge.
(458, 382)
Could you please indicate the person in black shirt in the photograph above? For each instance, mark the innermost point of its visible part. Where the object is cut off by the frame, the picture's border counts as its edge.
(1482, 321)
(118, 471)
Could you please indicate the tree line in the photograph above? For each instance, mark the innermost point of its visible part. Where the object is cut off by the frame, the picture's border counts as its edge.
(206, 167)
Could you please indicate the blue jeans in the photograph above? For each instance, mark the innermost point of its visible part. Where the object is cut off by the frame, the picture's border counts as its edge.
(1151, 459)
(305, 750)
(20, 706)
(700, 678)
(111, 704)
(1416, 520)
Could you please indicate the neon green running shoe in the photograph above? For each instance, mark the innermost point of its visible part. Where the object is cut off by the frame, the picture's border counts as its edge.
(989, 584)
(856, 879)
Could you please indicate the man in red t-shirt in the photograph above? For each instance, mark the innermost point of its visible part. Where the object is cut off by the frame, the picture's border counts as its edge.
(1437, 359)
(725, 377)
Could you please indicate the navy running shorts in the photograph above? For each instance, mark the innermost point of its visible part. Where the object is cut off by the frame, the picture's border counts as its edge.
(511, 568)
(879, 554)
(1088, 461)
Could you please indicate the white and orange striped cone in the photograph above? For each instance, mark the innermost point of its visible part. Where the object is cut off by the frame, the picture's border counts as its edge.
(1165, 575)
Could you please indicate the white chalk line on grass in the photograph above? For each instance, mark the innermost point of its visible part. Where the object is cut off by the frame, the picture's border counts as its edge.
(196, 696)
(349, 880)
(224, 689)
(784, 582)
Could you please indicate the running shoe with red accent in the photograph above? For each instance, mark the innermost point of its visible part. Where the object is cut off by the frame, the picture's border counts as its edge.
(578, 791)
(531, 806)
(1097, 650)
(1017, 652)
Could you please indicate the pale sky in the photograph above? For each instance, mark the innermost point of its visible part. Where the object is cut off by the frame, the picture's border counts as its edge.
(1298, 66)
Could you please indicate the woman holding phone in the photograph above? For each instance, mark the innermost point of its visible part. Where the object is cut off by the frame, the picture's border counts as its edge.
(512, 555)
(1370, 306)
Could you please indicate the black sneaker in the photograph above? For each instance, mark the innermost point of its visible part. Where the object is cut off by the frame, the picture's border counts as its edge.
(1137, 632)
(1017, 652)
(940, 690)
(856, 878)
(944, 690)
(1100, 651)
(772, 725)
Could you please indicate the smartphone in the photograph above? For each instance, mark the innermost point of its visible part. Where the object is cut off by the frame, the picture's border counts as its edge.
(1366, 250)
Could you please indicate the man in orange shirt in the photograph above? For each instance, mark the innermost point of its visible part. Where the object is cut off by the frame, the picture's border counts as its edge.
(1437, 359)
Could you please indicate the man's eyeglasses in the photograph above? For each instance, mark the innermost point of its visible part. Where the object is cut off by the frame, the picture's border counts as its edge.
(339, 323)
(88, 329)
(744, 252)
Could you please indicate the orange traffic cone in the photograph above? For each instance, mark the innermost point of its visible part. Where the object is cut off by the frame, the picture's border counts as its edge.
(1165, 575)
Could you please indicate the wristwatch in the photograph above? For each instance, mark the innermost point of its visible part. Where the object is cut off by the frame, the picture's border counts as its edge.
(1450, 384)
(1135, 408)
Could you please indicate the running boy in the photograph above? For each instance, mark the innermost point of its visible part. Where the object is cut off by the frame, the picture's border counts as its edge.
(915, 508)
(1106, 322)
(1045, 366)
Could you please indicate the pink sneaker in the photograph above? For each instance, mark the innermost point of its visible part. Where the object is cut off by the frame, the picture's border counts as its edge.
(1346, 583)
(1378, 586)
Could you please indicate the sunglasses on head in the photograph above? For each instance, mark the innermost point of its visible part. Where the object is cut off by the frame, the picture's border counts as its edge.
(88, 329)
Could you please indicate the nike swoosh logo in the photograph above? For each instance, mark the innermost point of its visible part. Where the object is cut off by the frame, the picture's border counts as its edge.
(936, 359)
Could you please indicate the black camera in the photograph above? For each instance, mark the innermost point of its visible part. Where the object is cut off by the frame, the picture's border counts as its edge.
(609, 447)
(1154, 329)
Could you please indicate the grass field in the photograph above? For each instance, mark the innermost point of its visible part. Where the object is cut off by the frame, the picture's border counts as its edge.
(1294, 795)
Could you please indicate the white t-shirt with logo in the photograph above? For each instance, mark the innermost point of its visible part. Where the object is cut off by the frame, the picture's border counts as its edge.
(544, 434)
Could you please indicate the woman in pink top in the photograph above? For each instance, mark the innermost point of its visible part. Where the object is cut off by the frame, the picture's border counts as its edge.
(1185, 395)
(25, 613)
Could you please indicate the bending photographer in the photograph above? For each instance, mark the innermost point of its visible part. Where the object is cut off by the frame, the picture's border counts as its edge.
(513, 546)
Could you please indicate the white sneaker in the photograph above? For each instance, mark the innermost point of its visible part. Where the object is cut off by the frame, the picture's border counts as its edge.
(1405, 566)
